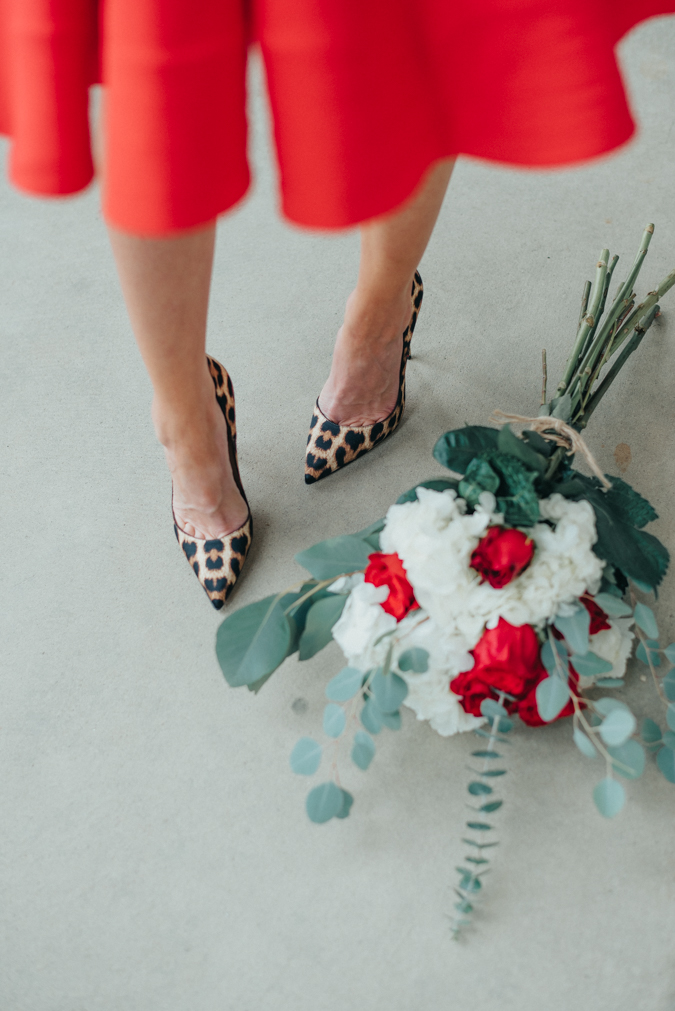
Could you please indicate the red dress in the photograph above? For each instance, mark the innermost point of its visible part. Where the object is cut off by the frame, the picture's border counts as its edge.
(365, 95)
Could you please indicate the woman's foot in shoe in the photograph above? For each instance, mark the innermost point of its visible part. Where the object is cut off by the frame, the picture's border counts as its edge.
(206, 500)
(363, 384)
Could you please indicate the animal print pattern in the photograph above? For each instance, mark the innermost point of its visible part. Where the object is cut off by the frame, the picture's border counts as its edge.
(331, 446)
(218, 562)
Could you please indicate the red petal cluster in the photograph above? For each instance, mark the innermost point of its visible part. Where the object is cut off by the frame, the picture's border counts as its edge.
(387, 570)
(502, 555)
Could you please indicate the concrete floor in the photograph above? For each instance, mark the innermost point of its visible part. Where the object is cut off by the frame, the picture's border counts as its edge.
(156, 855)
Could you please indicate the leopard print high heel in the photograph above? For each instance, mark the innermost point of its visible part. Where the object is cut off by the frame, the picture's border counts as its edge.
(217, 562)
(331, 446)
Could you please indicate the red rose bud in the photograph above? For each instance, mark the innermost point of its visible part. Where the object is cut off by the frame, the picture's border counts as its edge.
(506, 658)
(387, 570)
(502, 555)
(598, 617)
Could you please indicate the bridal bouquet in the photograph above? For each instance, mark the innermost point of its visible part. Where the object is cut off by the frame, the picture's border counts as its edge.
(512, 588)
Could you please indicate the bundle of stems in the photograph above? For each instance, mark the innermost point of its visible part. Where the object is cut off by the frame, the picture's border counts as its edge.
(599, 340)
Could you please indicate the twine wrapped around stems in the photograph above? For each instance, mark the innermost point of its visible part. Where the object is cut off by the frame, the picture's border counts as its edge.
(558, 432)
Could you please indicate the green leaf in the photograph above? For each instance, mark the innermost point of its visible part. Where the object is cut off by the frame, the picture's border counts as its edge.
(670, 715)
(670, 652)
(389, 690)
(392, 720)
(517, 498)
(306, 757)
(480, 846)
(252, 642)
(481, 732)
(562, 407)
(493, 805)
(492, 709)
(508, 442)
(476, 788)
(575, 629)
(665, 761)
(347, 801)
(456, 449)
(333, 720)
(548, 656)
(584, 744)
(669, 739)
(478, 861)
(324, 802)
(644, 618)
(590, 665)
(628, 504)
(613, 605)
(609, 797)
(441, 484)
(493, 772)
(479, 826)
(371, 717)
(479, 477)
(318, 627)
(486, 754)
(541, 445)
(607, 704)
(415, 659)
(335, 557)
(372, 530)
(651, 731)
(344, 685)
(610, 683)
(617, 727)
(668, 685)
(363, 750)
(630, 754)
(552, 695)
(652, 646)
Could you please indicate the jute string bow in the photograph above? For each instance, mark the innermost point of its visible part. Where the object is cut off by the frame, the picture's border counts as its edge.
(558, 432)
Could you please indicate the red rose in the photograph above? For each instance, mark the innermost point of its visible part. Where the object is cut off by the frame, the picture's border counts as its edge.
(527, 707)
(506, 658)
(387, 570)
(502, 555)
(598, 617)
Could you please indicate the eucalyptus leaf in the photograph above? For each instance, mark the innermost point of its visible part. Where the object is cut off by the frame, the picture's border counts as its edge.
(665, 761)
(644, 618)
(668, 685)
(476, 788)
(552, 695)
(651, 731)
(389, 691)
(486, 754)
(617, 727)
(320, 620)
(392, 720)
(607, 704)
(324, 802)
(584, 744)
(414, 659)
(347, 801)
(493, 805)
(492, 709)
(306, 756)
(590, 665)
(575, 629)
(479, 826)
(652, 646)
(335, 557)
(632, 755)
(345, 685)
(613, 605)
(670, 652)
(670, 715)
(609, 797)
(333, 720)
(252, 642)
(371, 717)
(669, 739)
(610, 683)
(549, 651)
(363, 750)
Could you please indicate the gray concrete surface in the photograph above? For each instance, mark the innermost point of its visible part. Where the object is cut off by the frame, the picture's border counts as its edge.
(155, 852)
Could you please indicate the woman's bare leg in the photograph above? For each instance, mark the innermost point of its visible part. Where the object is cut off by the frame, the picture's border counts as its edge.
(166, 287)
(363, 384)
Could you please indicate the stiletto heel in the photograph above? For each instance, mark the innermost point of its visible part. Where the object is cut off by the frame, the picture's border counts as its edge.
(331, 446)
(217, 561)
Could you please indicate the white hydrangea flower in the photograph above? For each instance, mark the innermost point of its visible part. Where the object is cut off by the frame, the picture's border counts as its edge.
(614, 644)
(361, 624)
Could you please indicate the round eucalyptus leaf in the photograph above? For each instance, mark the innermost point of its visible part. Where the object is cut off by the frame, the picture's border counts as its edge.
(668, 685)
(324, 802)
(615, 606)
(617, 727)
(306, 756)
(610, 683)
(669, 739)
(371, 717)
(670, 652)
(391, 720)
(590, 665)
(606, 704)
(344, 685)
(651, 731)
(492, 709)
(389, 690)
(252, 642)
(666, 763)
(347, 801)
(334, 557)
(584, 744)
(644, 618)
(415, 659)
(333, 720)
(552, 695)
(318, 631)
(476, 789)
(575, 628)
(609, 797)
(632, 755)
(670, 715)
(363, 750)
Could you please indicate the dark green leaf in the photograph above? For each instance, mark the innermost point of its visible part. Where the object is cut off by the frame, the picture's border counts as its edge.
(335, 557)
(347, 801)
(493, 805)
(668, 684)
(415, 659)
(629, 505)
(318, 627)
(538, 443)
(456, 449)
(479, 477)
(252, 642)
(324, 802)
(508, 442)
(440, 484)
(476, 788)
(479, 826)
(651, 732)
(306, 757)
(363, 750)
(666, 763)
(389, 691)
